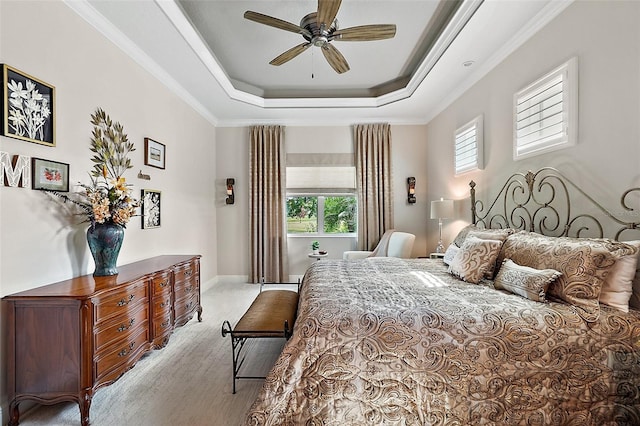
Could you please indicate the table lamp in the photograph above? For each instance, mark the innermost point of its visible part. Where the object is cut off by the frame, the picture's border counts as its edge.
(441, 209)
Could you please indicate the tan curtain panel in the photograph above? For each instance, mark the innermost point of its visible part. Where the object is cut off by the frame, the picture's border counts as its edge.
(374, 182)
(267, 215)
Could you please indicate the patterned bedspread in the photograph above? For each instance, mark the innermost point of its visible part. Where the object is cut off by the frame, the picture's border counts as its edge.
(401, 342)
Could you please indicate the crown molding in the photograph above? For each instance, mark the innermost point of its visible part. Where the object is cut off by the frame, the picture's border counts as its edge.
(114, 35)
(542, 18)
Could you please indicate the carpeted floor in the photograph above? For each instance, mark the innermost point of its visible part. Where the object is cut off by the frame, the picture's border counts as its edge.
(186, 383)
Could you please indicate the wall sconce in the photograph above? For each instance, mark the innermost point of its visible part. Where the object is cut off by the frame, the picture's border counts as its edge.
(411, 181)
(230, 197)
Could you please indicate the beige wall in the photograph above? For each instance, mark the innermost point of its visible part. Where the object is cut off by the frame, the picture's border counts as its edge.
(409, 157)
(39, 244)
(605, 37)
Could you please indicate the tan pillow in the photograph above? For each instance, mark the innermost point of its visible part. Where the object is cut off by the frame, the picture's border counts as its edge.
(474, 258)
(451, 252)
(491, 234)
(524, 281)
(583, 262)
(487, 234)
(618, 286)
(459, 239)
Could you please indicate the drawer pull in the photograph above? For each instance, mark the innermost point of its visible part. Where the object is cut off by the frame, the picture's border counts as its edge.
(126, 351)
(163, 304)
(124, 327)
(164, 324)
(188, 273)
(125, 302)
(188, 289)
(164, 283)
(189, 305)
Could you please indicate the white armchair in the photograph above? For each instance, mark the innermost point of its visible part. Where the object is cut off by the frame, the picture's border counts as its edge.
(399, 244)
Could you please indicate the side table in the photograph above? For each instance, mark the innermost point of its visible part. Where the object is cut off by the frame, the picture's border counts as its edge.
(317, 256)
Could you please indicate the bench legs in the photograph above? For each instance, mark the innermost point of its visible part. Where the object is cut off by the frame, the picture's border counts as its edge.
(238, 341)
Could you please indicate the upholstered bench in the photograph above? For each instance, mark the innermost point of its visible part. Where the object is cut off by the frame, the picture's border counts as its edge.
(272, 314)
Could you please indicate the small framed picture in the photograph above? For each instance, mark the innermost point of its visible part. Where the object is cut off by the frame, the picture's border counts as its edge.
(150, 208)
(28, 107)
(49, 175)
(154, 153)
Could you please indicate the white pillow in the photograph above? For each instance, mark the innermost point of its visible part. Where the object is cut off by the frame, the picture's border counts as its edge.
(618, 287)
(451, 252)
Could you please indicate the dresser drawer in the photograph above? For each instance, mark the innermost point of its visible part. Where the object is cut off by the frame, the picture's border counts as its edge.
(121, 302)
(161, 284)
(185, 307)
(116, 359)
(121, 328)
(186, 271)
(161, 305)
(187, 289)
(162, 325)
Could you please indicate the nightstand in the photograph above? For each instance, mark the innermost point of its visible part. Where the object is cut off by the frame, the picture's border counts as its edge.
(436, 255)
(317, 256)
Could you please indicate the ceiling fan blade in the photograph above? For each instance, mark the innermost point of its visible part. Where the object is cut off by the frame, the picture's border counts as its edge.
(290, 54)
(327, 11)
(365, 33)
(335, 58)
(274, 22)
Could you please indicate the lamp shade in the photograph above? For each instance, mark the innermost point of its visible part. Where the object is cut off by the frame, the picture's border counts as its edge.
(441, 209)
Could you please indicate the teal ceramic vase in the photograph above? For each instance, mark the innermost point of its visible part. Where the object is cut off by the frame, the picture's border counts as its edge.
(105, 240)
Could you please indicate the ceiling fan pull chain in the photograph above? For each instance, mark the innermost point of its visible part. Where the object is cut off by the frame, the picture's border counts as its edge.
(312, 63)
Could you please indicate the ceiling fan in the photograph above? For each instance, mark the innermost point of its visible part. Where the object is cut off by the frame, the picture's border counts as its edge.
(320, 29)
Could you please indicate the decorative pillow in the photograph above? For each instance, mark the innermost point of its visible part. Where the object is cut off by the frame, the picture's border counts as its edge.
(524, 281)
(583, 262)
(491, 234)
(459, 239)
(484, 233)
(618, 286)
(474, 258)
(451, 252)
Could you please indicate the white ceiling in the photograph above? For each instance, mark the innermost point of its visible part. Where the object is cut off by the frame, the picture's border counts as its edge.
(206, 52)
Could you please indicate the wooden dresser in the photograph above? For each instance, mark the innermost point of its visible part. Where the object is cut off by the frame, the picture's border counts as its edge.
(67, 339)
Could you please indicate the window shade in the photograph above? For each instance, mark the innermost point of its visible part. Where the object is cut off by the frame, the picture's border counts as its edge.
(321, 179)
(320, 173)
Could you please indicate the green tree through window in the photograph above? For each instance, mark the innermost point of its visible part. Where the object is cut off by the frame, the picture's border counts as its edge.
(321, 214)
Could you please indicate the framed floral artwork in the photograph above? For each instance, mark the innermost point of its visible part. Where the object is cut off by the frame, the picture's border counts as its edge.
(150, 208)
(49, 175)
(28, 107)
(154, 153)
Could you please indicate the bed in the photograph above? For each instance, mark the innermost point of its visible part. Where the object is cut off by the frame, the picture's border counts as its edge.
(407, 342)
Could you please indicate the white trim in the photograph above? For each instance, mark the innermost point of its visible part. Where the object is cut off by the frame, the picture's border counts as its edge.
(546, 15)
(194, 40)
(86, 11)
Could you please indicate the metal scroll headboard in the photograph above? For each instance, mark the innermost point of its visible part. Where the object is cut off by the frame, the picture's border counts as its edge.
(542, 202)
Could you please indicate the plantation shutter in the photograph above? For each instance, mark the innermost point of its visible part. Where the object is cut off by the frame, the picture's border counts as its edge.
(545, 113)
(468, 147)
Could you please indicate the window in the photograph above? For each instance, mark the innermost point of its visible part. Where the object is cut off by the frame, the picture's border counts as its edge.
(546, 113)
(321, 194)
(468, 147)
(321, 214)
